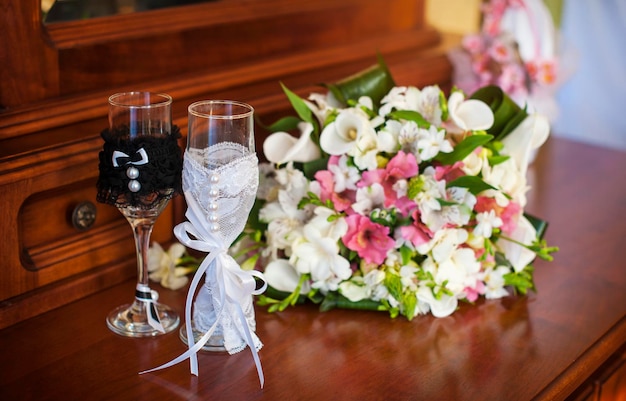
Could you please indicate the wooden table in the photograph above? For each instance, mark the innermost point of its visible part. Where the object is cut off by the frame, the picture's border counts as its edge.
(544, 346)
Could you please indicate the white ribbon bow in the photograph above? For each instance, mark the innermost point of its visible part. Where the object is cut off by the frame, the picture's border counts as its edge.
(234, 285)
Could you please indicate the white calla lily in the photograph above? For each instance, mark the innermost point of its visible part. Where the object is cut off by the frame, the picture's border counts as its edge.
(470, 114)
(281, 147)
(522, 142)
(519, 256)
(282, 276)
(341, 135)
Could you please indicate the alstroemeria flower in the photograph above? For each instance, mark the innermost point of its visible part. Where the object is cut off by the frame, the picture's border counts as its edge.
(370, 240)
(469, 115)
(162, 266)
(431, 141)
(341, 135)
(281, 147)
(486, 222)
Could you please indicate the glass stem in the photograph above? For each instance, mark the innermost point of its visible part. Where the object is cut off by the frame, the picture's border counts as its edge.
(142, 229)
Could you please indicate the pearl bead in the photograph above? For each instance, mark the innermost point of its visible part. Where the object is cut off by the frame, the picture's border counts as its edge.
(213, 217)
(132, 172)
(134, 186)
(215, 227)
(214, 193)
(213, 206)
(215, 179)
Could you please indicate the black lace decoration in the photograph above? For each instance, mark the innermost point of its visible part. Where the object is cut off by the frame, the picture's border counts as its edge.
(139, 172)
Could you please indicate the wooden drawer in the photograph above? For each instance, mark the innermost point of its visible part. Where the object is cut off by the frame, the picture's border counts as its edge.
(47, 261)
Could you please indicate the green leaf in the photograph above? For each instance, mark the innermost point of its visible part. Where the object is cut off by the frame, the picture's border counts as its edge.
(463, 149)
(410, 115)
(299, 105)
(285, 124)
(310, 168)
(507, 114)
(522, 281)
(473, 183)
(375, 82)
(497, 159)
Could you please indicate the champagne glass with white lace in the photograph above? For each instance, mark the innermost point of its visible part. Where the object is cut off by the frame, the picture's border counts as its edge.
(140, 171)
(220, 180)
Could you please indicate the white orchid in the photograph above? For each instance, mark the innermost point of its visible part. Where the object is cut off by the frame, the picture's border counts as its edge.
(281, 147)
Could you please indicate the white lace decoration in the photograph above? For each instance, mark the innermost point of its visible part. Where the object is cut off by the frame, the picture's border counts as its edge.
(220, 184)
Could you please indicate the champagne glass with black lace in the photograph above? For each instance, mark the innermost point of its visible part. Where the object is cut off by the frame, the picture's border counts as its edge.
(140, 171)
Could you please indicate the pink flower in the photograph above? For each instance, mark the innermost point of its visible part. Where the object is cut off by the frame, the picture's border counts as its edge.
(449, 172)
(472, 293)
(401, 167)
(416, 233)
(342, 201)
(369, 240)
(474, 44)
(508, 214)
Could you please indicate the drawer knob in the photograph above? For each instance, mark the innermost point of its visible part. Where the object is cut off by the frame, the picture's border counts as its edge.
(84, 216)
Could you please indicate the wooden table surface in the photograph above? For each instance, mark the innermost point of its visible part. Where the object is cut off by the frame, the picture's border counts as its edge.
(517, 348)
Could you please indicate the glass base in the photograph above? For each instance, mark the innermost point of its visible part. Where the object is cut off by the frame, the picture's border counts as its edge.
(214, 344)
(130, 320)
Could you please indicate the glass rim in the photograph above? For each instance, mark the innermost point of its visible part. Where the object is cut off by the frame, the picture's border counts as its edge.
(249, 109)
(166, 99)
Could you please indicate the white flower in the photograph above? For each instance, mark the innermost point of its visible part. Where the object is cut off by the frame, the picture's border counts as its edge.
(528, 136)
(281, 275)
(341, 135)
(428, 104)
(431, 141)
(365, 150)
(469, 115)
(400, 98)
(355, 289)
(444, 243)
(487, 221)
(322, 106)
(459, 271)
(508, 179)
(319, 255)
(162, 265)
(519, 256)
(388, 136)
(408, 137)
(494, 280)
(281, 147)
(334, 229)
(442, 307)
(344, 176)
(473, 163)
(368, 198)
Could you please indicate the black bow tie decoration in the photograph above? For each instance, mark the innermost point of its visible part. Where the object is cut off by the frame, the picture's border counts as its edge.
(157, 159)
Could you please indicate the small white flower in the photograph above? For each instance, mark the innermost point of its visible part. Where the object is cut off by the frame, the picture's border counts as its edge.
(431, 141)
(162, 265)
(344, 176)
(400, 98)
(494, 280)
(486, 222)
(428, 104)
(442, 307)
(368, 198)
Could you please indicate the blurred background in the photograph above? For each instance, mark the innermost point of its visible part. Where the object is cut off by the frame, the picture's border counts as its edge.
(591, 51)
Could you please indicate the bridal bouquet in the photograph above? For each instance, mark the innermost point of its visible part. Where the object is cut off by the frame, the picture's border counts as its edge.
(396, 199)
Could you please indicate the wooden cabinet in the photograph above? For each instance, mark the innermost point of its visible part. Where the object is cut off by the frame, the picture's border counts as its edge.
(56, 78)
